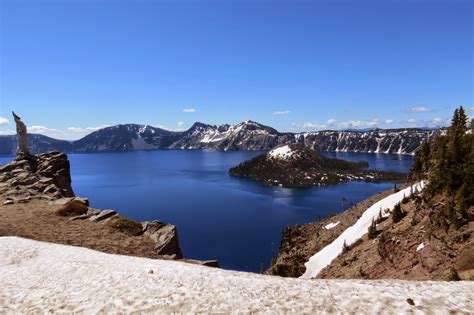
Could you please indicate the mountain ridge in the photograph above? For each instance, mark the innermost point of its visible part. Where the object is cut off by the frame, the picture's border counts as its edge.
(247, 135)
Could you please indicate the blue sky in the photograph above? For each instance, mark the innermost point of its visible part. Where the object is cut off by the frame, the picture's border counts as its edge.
(69, 67)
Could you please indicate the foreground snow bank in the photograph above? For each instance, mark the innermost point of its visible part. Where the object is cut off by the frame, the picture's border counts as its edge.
(352, 234)
(41, 277)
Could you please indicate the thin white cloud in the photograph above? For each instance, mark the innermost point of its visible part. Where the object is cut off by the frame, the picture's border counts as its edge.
(331, 122)
(389, 121)
(4, 121)
(87, 129)
(162, 127)
(411, 120)
(282, 112)
(469, 109)
(42, 129)
(46, 131)
(179, 126)
(420, 109)
(7, 132)
(309, 125)
(358, 124)
(189, 110)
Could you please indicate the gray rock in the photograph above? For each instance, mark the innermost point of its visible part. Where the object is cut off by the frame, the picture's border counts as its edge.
(79, 217)
(207, 263)
(51, 189)
(61, 201)
(8, 201)
(46, 181)
(165, 237)
(104, 214)
(24, 199)
(92, 212)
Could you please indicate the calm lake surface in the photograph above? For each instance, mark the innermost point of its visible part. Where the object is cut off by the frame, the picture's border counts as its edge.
(237, 221)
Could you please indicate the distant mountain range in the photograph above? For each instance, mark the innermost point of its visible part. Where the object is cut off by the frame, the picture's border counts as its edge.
(248, 135)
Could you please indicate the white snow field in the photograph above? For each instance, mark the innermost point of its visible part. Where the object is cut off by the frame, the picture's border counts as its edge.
(283, 152)
(325, 256)
(38, 277)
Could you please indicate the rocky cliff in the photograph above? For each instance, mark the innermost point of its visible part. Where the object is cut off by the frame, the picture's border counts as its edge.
(248, 135)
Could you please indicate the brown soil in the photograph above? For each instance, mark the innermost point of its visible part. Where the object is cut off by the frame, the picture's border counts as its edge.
(393, 254)
(38, 220)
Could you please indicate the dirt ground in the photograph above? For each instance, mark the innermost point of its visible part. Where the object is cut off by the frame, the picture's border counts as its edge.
(37, 220)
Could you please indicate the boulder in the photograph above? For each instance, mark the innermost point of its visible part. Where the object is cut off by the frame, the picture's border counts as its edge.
(72, 208)
(165, 237)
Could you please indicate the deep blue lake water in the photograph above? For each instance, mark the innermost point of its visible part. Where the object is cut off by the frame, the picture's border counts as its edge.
(237, 221)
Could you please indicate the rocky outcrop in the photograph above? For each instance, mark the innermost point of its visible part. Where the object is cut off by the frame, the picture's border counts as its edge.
(45, 176)
(165, 237)
(295, 166)
(248, 135)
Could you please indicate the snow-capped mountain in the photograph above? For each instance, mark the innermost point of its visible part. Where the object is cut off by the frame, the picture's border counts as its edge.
(125, 138)
(248, 135)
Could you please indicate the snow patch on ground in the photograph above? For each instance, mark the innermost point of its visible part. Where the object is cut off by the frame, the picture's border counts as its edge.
(37, 277)
(331, 225)
(352, 234)
(283, 152)
(420, 247)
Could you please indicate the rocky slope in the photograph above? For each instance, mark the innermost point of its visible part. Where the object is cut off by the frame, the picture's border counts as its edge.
(414, 248)
(248, 135)
(295, 165)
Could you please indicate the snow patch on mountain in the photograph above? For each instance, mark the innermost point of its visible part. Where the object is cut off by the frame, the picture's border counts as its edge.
(284, 152)
(325, 256)
(331, 225)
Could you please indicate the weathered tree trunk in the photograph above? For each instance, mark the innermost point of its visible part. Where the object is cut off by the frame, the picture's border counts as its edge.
(23, 149)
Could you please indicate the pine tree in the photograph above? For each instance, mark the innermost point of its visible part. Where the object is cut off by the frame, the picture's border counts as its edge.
(397, 213)
(372, 231)
(447, 161)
